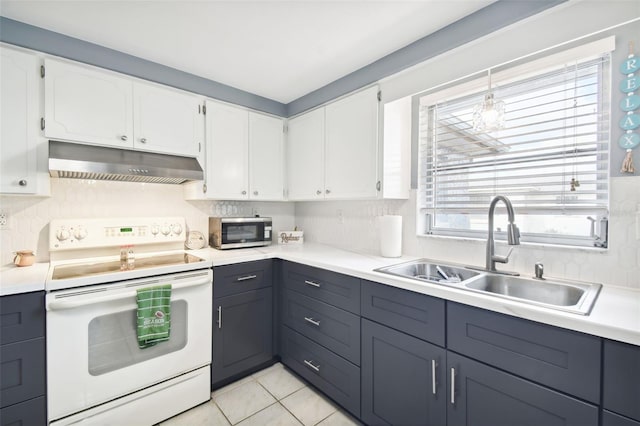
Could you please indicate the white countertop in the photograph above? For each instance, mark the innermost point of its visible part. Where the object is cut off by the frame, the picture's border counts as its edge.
(615, 315)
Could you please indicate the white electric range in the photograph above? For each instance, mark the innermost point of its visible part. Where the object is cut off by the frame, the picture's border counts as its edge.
(96, 372)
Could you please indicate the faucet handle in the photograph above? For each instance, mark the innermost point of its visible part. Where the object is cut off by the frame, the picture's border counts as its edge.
(503, 259)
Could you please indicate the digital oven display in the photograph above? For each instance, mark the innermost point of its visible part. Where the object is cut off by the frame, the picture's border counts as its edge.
(126, 229)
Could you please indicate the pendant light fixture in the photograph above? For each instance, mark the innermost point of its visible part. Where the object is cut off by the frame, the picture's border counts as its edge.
(488, 115)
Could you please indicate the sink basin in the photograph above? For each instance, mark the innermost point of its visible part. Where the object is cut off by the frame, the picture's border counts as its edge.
(426, 270)
(569, 296)
(564, 295)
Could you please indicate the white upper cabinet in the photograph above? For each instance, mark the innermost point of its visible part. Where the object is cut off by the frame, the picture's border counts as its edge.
(333, 151)
(227, 152)
(351, 146)
(244, 156)
(86, 105)
(266, 157)
(167, 121)
(305, 156)
(20, 140)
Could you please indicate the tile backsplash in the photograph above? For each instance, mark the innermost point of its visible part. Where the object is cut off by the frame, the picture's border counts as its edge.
(353, 225)
(29, 217)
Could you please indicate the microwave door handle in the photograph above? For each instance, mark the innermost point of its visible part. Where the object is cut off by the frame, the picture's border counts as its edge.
(72, 302)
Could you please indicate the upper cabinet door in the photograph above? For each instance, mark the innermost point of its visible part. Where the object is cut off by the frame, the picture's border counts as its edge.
(305, 156)
(167, 121)
(227, 152)
(351, 146)
(19, 118)
(266, 157)
(85, 105)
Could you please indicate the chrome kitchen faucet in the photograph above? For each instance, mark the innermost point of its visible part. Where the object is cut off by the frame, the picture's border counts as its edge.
(513, 237)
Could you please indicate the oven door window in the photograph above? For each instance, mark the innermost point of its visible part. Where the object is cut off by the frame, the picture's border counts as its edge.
(242, 233)
(113, 343)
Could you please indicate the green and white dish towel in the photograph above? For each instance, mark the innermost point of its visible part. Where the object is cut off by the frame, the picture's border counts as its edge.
(154, 315)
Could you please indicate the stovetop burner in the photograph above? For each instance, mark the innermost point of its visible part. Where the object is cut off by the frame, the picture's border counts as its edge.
(76, 270)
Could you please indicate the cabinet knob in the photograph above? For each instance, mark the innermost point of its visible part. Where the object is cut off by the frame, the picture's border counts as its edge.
(143, 140)
(255, 192)
(124, 137)
(22, 182)
(328, 191)
(244, 192)
(318, 192)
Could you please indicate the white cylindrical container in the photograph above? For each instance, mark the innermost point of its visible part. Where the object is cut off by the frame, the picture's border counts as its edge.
(390, 236)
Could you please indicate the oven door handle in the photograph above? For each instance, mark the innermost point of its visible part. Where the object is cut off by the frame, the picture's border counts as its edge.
(78, 301)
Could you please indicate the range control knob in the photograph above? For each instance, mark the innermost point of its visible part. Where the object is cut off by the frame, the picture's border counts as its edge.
(80, 233)
(62, 234)
(177, 229)
(166, 230)
(155, 229)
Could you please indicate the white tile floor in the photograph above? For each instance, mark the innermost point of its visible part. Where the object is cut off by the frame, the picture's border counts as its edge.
(271, 397)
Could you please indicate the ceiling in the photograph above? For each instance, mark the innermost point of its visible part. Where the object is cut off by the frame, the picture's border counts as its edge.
(281, 50)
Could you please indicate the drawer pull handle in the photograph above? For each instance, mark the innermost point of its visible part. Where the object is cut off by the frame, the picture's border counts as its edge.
(312, 321)
(433, 376)
(453, 386)
(311, 283)
(219, 316)
(248, 277)
(310, 365)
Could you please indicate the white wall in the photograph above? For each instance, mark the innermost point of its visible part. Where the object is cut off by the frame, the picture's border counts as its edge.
(70, 198)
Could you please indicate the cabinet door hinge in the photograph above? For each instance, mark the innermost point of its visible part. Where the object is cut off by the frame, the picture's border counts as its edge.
(199, 109)
(379, 95)
(204, 109)
(42, 73)
(285, 128)
(41, 123)
(199, 147)
(378, 185)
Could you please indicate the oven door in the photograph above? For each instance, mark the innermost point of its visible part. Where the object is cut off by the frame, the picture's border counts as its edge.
(245, 233)
(92, 349)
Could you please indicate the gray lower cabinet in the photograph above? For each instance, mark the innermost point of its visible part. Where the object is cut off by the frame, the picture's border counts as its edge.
(621, 379)
(242, 320)
(403, 378)
(480, 395)
(613, 419)
(22, 360)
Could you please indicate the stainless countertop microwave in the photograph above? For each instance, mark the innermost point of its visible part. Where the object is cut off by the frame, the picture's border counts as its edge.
(239, 232)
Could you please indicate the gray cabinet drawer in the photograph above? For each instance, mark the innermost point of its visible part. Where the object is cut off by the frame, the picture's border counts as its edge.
(621, 385)
(29, 413)
(241, 277)
(330, 287)
(333, 328)
(22, 369)
(333, 375)
(413, 313)
(21, 317)
(612, 419)
(558, 358)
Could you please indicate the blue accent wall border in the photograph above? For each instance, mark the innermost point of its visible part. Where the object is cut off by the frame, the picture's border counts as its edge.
(483, 22)
(36, 38)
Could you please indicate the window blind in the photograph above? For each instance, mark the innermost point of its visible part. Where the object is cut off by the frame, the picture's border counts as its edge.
(556, 129)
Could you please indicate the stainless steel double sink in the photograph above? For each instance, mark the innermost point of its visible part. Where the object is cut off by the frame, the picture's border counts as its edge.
(563, 295)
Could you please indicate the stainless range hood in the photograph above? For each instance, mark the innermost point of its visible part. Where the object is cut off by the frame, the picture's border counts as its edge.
(76, 161)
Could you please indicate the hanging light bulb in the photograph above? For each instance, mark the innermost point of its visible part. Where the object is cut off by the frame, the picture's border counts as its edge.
(488, 115)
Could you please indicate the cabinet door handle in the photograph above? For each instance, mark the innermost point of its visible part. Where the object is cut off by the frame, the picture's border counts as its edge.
(311, 283)
(143, 140)
(310, 364)
(433, 376)
(255, 192)
(22, 182)
(328, 191)
(453, 385)
(123, 137)
(312, 321)
(219, 316)
(318, 192)
(248, 277)
(244, 192)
